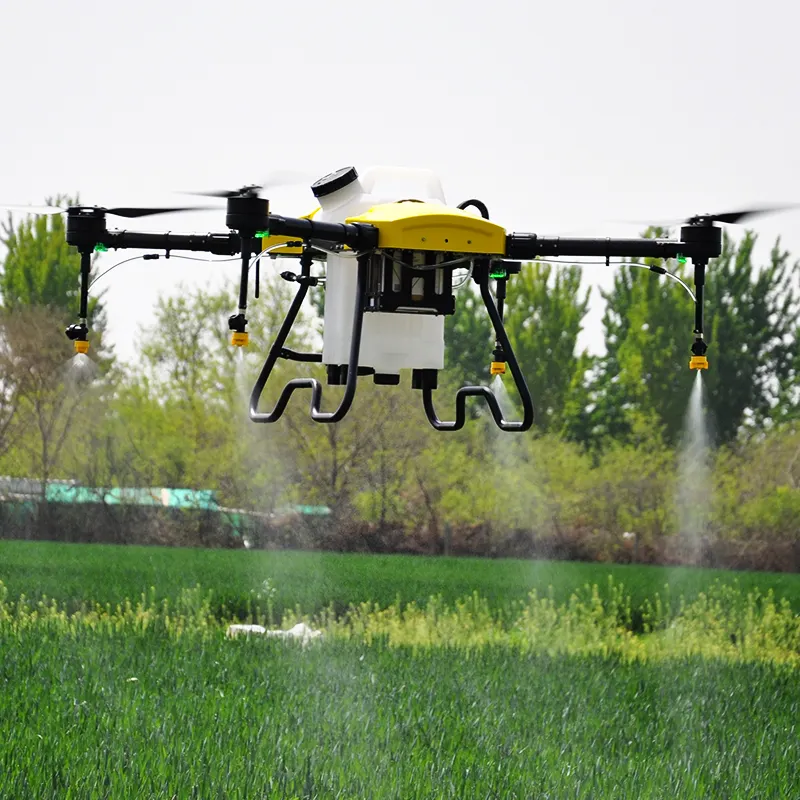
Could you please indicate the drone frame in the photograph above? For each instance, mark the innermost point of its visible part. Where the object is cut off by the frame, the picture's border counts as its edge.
(422, 379)
(253, 228)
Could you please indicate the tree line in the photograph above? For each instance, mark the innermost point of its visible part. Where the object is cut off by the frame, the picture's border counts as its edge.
(598, 477)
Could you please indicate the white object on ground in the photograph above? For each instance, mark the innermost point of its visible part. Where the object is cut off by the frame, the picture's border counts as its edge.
(235, 630)
(300, 631)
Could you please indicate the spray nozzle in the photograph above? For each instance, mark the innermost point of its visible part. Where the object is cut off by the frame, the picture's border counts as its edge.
(238, 324)
(699, 360)
(498, 365)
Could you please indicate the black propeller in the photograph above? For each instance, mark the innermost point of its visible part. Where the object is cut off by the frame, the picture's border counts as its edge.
(245, 191)
(735, 217)
(727, 217)
(119, 211)
(275, 179)
(147, 212)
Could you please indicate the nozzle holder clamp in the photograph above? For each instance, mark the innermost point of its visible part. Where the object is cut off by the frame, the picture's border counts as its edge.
(237, 323)
(78, 332)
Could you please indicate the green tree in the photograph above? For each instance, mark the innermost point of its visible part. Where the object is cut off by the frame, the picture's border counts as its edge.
(788, 407)
(469, 339)
(645, 321)
(42, 400)
(752, 321)
(750, 325)
(582, 422)
(187, 410)
(187, 354)
(360, 461)
(544, 315)
(757, 487)
(181, 353)
(53, 395)
(453, 480)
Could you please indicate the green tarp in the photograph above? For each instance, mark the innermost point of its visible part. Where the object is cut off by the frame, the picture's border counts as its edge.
(171, 498)
(28, 490)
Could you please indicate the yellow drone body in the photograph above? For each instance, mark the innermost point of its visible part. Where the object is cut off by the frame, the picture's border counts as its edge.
(413, 225)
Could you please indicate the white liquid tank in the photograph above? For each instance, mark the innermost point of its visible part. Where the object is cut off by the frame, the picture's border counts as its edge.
(389, 341)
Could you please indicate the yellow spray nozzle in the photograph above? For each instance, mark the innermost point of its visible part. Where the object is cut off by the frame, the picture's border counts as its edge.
(240, 339)
(498, 368)
(698, 362)
(81, 346)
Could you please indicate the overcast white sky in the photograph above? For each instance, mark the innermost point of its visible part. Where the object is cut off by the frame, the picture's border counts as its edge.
(560, 116)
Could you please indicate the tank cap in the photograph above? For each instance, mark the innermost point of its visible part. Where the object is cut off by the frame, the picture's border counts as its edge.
(334, 181)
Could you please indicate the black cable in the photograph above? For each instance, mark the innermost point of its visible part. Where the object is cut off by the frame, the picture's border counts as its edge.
(479, 204)
(153, 256)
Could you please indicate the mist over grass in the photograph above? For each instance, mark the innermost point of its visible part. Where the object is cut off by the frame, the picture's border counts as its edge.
(156, 702)
(433, 677)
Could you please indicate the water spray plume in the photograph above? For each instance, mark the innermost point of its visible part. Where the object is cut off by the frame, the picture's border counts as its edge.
(503, 397)
(506, 454)
(694, 482)
(80, 370)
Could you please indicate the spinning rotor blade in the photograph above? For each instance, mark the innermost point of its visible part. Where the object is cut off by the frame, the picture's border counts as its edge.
(275, 179)
(37, 210)
(147, 212)
(120, 211)
(226, 193)
(727, 217)
(734, 217)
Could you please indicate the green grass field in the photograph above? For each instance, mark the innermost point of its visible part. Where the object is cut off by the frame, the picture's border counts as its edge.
(72, 573)
(134, 715)
(485, 691)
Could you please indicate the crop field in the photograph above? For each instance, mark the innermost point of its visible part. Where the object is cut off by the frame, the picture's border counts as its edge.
(72, 573)
(433, 678)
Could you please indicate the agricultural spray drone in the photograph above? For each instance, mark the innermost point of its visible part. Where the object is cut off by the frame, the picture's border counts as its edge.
(390, 258)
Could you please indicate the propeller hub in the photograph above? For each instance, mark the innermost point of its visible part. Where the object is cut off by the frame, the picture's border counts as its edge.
(86, 227)
(701, 220)
(705, 238)
(86, 211)
(250, 191)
